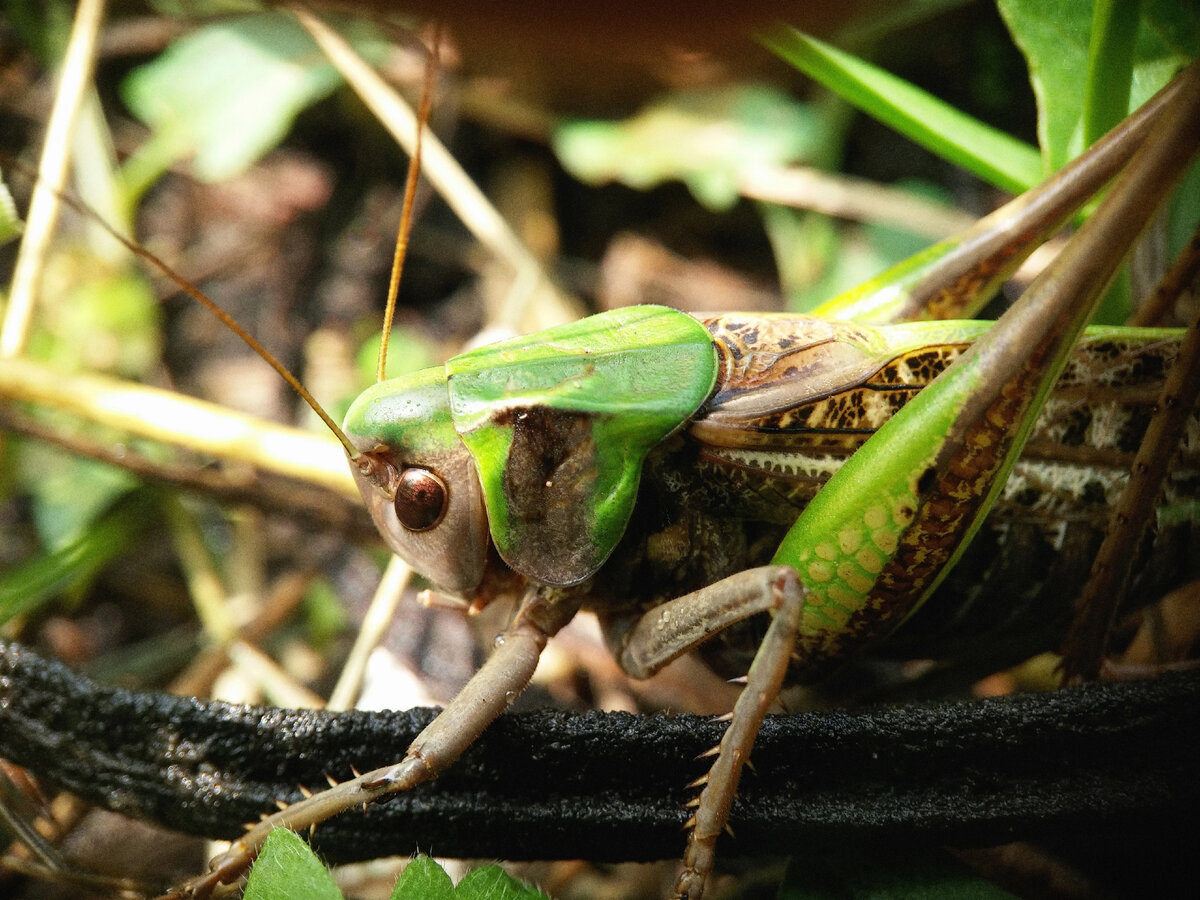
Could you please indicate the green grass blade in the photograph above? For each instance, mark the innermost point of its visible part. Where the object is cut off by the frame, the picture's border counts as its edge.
(29, 586)
(993, 155)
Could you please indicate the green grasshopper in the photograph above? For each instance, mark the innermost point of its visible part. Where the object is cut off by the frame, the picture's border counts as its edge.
(670, 473)
(686, 478)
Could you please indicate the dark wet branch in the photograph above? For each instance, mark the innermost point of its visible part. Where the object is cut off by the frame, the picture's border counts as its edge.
(610, 786)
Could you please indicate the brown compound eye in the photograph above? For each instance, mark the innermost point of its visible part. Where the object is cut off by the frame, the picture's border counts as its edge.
(420, 499)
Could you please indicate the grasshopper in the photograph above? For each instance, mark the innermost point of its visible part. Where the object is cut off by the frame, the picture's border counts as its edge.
(663, 471)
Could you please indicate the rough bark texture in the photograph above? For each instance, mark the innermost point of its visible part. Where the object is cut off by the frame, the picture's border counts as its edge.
(1097, 760)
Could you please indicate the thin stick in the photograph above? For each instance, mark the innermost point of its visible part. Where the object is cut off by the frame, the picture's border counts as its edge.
(410, 192)
(107, 884)
(1181, 274)
(380, 615)
(1097, 606)
(208, 594)
(851, 198)
(52, 171)
(280, 688)
(204, 300)
(26, 834)
(440, 167)
(181, 421)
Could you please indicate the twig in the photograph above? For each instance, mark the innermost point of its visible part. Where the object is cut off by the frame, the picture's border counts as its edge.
(312, 504)
(852, 198)
(52, 170)
(178, 420)
(441, 168)
(376, 623)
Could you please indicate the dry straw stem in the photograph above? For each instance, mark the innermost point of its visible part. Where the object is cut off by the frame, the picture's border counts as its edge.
(181, 421)
(531, 283)
(851, 198)
(73, 85)
(380, 616)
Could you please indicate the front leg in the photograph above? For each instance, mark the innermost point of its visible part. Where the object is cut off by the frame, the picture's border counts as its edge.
(542, 613)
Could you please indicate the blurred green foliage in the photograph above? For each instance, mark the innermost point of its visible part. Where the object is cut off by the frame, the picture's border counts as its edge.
(288, 870)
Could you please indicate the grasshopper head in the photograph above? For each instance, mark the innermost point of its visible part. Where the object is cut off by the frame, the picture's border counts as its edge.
(418, 479)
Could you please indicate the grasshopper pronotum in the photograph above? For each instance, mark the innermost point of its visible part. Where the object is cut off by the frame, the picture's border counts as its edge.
(547, 466)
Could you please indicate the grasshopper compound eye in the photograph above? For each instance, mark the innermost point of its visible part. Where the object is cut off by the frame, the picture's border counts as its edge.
(418, 479)
(421, 499)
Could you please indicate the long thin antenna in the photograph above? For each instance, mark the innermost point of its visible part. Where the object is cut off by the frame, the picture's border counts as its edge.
(195, 293)
(410, 192)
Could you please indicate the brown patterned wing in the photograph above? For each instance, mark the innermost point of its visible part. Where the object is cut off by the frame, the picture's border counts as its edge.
(796, 396)
(798, 384)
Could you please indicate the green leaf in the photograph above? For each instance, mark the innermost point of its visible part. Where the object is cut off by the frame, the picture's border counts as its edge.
(704, 138)
(493, 883)
(69, 492)
(43, 27)
(1057, 44)
(1110, 66)
(26, 587)
(107, 318)
(228, 92)
(423, 879)
(992, 155)
(287, 869)
(323, 613)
